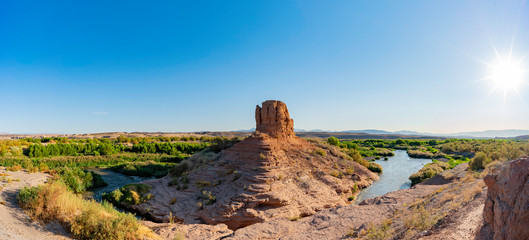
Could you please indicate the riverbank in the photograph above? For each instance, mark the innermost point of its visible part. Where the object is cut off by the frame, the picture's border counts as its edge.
(397, 170)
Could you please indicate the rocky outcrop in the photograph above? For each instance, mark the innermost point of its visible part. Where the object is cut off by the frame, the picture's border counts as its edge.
(273, 119)
(506, 212)
(270, 175)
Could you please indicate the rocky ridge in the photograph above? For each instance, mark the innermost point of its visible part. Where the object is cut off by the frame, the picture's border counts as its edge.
(506, 212)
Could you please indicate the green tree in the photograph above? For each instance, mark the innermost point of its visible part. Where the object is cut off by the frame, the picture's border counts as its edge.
(333, 141)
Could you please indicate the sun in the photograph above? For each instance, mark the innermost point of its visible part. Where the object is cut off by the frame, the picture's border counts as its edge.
(507, 75)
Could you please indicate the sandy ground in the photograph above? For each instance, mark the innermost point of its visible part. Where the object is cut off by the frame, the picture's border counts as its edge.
(14, 223)
(464, 224)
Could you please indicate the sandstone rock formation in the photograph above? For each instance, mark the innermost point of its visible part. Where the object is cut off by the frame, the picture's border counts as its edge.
(273, 119)
(270, 175)
(506, 211)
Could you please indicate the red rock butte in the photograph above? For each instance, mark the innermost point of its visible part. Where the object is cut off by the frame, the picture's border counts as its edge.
(273, 119)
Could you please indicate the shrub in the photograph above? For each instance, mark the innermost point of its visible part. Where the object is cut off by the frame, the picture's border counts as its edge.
(333, 141)
(350, 170)
(128, 195)
(202, 183)
(43, 167)
(336, 174)
(14, 168)
(179, 169)
(428, 171)
(79, 180)
(357, 157)
(319, 151)
(208, 198)
(420, 219)
(379, 232)
(480, 161)
(149, 169)
(219, 144)
(27, 197)
(374, 167)
(85, 219)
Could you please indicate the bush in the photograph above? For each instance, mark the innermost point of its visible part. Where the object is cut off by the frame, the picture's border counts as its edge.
(428, 171)
(85, 219)
(374, 167)
(480, 161)
(27, 197)
(357, 157)
(157, 170)
(78, 180)
(180, 169)
(219, 144)
(320, 152)
(128, 195)
(333, 141)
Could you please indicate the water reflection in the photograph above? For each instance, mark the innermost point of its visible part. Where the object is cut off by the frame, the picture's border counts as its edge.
(396, 171)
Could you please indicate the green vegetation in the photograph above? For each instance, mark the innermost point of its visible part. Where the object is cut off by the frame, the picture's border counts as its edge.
(207, 198)
(144, 157)
(84, 219)
(143, 169)
(374, 167)
(128, 195)
(379, 232)
(77, 180)
(480, 161)
(428, 171)
(333, 141)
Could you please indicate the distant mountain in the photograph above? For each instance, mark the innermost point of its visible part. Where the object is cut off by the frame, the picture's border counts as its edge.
(407, 132)
(245, 130)
(507, 133)
(368, 131)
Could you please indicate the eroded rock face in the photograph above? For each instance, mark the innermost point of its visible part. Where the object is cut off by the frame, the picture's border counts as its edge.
(273, 119)
(506, 211)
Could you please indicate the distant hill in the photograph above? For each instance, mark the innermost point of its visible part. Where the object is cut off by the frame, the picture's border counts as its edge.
(523, 137)
(508, 133)
(347, 134)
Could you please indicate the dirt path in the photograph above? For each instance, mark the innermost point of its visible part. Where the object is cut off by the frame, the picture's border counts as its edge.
(464, 224)
(14, 223)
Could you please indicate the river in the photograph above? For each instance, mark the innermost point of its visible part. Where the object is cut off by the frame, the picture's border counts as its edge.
(396, 171)
(113, 179)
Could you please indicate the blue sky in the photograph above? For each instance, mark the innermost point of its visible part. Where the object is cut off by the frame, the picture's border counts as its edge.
(96, 66)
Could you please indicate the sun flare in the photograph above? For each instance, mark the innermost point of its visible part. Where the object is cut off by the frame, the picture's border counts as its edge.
(507, 75)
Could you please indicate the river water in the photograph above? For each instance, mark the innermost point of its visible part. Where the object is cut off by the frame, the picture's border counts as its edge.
(113, 179)
(396, 171)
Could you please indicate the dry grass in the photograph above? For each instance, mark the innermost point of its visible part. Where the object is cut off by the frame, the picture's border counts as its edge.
(202, 183)
(336, 174)
(85, 219)
(378, 232)
(420, 219)
(294, 218)
(14, 168)
(447, 197)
